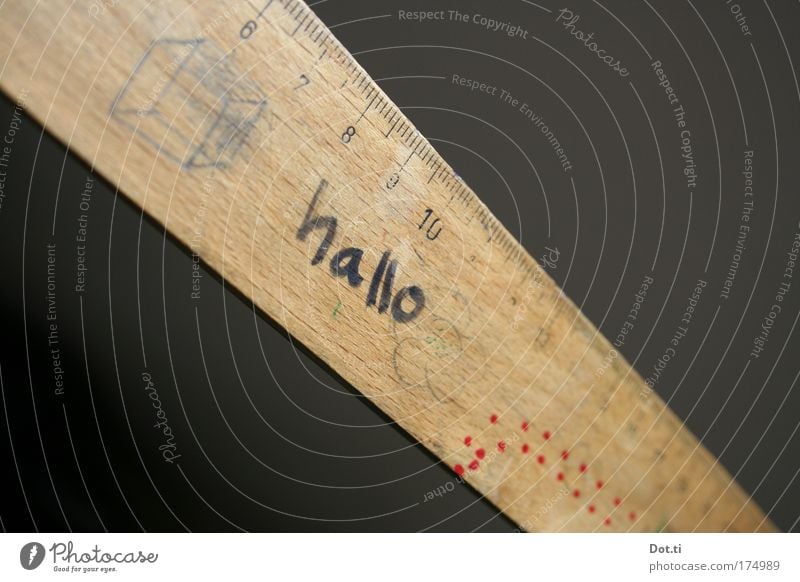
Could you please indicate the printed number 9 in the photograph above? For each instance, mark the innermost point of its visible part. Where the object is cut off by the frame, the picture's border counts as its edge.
(348, 134)
(248, 29)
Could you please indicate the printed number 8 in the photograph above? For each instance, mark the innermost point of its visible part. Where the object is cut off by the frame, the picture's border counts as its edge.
(348, 134)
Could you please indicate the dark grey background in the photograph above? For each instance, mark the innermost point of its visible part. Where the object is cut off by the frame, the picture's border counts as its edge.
(264, 443)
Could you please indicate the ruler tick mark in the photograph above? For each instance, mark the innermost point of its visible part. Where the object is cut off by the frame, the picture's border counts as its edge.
(364, 112)
(264, 9)
(299, 24)
(391, 129)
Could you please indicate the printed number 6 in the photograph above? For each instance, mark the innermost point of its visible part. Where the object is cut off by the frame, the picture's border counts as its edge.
(248, 29)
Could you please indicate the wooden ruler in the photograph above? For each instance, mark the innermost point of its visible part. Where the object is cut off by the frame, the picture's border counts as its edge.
(253, 136)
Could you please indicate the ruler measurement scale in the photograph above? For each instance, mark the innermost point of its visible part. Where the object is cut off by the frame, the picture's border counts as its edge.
(427, 155)
(337, 218)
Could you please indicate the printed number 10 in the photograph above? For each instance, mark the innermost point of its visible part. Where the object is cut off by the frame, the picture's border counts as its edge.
(432, 232)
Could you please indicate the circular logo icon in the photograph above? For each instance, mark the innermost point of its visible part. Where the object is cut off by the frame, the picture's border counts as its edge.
(31, 555)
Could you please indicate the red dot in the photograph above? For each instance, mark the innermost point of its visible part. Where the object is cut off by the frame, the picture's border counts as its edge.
(607, 521)
(546, 435)
(480, 453)
(473, 466)
(540, 459)
(468, 440)
(583, 467)
(493, 418)
(576, 493)
(617, 501)
(525, 448)
(632, 516)
(565, 455)
(525, 426)
(501, 446)
(459, 470)
(591, 509)
(599, 484)
(560, 476)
